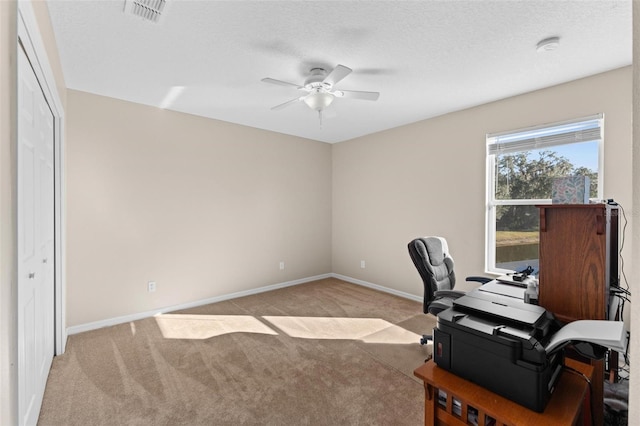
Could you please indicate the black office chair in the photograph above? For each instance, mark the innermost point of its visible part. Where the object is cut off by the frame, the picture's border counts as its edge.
(431, 257)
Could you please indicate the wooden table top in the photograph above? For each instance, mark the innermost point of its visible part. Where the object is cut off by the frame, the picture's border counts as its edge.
(562, 409)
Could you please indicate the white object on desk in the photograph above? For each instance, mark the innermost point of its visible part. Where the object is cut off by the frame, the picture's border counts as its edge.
(610, 334)
(531, 293)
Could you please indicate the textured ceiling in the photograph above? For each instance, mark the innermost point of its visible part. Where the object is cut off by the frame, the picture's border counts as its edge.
(426, 58)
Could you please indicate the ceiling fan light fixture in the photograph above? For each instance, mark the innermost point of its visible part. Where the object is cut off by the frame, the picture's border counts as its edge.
(318, 100)
(320, 88)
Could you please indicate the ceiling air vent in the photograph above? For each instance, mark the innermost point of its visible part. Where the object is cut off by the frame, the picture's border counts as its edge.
(149, 10)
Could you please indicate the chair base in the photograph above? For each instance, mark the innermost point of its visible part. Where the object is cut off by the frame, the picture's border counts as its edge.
(425, 339)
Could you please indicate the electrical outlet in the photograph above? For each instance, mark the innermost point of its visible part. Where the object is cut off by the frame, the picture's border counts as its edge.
(282, 265)
(362, 264)
(151, 286)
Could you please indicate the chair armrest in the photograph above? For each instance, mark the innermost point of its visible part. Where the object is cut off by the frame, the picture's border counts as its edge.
(454, 294)
(482, 280)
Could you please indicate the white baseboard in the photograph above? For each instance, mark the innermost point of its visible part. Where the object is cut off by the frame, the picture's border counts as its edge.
(378, 287)
(141, 315)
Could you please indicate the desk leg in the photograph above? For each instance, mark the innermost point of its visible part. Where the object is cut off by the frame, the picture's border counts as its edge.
(597, 397)
(429, 405)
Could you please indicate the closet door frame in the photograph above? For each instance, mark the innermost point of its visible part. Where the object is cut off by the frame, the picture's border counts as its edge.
(30, 40)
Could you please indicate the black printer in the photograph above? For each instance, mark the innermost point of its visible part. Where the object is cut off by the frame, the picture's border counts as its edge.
(499, 343)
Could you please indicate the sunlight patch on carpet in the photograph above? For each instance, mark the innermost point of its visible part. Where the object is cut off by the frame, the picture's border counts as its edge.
(182, 326)
(369, 330)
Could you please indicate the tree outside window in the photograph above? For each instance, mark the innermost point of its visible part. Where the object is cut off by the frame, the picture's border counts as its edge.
(522, 178)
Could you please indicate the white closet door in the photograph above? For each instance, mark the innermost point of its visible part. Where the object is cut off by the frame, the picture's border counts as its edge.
(35, 242)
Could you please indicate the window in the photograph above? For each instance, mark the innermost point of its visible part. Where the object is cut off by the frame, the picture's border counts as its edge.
(521, 165)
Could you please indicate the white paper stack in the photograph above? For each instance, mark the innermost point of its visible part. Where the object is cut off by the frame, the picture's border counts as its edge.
(610, 334)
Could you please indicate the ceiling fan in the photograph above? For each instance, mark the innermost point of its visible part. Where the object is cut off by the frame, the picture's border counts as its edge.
(320, 91)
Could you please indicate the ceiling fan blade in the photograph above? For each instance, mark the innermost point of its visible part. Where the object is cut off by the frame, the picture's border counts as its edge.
(286, 104)
(280, 82)
(357, 94)
(338, 73)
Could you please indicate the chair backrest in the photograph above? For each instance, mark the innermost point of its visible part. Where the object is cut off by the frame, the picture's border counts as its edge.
(431, 257)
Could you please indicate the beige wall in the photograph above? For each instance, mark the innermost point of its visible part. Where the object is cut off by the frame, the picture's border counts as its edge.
(428, 178)
(204, 208)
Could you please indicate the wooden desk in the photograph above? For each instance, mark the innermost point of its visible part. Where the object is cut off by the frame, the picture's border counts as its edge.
(578, 262)
(564, 408)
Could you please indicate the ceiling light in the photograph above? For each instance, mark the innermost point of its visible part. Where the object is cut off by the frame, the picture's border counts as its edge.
(318, 100)
(548, 44)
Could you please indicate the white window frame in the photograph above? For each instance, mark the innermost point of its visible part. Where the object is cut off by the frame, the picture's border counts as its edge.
(520, 144)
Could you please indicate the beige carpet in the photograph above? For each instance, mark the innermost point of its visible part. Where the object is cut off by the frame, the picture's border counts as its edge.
(321, 353)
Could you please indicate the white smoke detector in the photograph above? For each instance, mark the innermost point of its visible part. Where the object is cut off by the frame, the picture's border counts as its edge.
(149, 10)
(548, 44)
